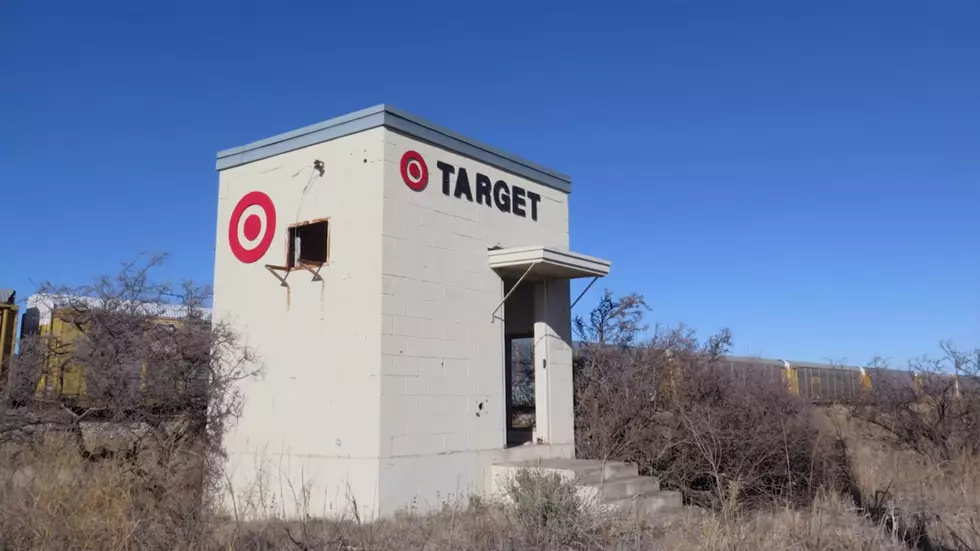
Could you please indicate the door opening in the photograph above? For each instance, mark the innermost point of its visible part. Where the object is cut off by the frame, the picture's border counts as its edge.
(520, 390)
(519, 363)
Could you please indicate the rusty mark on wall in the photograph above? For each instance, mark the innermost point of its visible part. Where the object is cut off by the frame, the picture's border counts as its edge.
(322, 288)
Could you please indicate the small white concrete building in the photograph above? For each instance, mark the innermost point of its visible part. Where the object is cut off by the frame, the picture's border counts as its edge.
(382, 266)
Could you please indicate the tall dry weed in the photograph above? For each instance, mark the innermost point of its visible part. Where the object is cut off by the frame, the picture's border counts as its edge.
(51, 497)
(829, 523)
(944, 494)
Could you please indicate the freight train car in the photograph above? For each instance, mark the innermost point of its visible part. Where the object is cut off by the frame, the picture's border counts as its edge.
(8, 330)
(825, 383)
(52, 325)
(764, 369)
(48, 320)
(818, 382)
(829, 383)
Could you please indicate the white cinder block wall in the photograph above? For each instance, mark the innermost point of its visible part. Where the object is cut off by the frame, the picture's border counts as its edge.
(442, 391)
(384, 382)
(314, 418)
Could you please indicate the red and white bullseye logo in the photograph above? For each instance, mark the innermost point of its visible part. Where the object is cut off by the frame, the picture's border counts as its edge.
(414, 172)
(252, 227)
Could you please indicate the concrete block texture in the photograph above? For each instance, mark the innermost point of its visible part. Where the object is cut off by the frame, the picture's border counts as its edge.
(386, 378)
(437, 244)
(314, 415)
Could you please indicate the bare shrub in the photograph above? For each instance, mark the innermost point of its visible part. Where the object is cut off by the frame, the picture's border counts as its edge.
(545, 501)
(725, 439)
(621, 385)
(151, 394)
(743, 441)
(936, 409)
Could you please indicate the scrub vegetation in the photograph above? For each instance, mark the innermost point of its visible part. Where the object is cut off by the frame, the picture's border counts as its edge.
(136, 464)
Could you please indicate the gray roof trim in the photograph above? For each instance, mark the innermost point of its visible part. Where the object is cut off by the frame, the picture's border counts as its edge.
(332, 129)
(400, 121)
(396, 119)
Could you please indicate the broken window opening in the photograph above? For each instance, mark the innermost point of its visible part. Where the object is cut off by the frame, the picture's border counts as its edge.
(309, 244)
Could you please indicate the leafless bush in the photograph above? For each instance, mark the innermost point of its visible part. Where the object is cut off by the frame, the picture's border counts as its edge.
(749, 443)
(725, 439)
(936, 409)
(545, 502)
(146, 364)
(617, 385)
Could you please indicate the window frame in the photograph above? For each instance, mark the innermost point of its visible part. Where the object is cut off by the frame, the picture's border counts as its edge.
(301, 264)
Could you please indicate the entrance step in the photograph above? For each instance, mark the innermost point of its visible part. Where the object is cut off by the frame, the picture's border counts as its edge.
(589, 471)
(648, 504)
(623, 488)
(610, 485)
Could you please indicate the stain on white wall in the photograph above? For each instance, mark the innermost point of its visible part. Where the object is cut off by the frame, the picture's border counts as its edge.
(314, 417)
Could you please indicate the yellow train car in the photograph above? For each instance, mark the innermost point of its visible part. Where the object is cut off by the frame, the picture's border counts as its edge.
(819, 383)
(8, 330)
(54, 329)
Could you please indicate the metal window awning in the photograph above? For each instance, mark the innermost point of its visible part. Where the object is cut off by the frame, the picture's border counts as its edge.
(544, 263)
(547, 262)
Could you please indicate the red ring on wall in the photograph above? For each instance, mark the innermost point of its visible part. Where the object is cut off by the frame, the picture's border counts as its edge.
(413, 160)
(254, 198)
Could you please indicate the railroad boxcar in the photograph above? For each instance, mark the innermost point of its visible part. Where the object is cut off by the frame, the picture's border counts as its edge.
(52, 324)
(8, 330)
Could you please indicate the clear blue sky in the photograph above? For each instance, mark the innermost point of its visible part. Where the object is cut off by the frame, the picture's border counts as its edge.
(805, 173)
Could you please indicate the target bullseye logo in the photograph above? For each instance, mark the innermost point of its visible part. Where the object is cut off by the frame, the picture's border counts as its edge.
(414, 171)
(252, 227)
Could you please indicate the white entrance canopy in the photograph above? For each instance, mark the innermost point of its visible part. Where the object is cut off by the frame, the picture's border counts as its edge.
(543, 263)
(538, 262)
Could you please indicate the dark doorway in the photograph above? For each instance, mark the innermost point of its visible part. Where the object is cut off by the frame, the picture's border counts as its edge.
(520, 390)
(519, 363)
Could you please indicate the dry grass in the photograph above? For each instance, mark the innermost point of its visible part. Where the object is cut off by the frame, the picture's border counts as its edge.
(50, 498)
(946, 494)
(829, 523)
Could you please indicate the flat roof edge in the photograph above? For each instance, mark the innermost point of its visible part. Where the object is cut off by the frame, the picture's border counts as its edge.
(332, 129)
(400, 121)
(527, 256)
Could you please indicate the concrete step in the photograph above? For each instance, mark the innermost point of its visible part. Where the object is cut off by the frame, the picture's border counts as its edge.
(608, 485)
(529, 453)
(610, 473)
(583, 471)
(622, 488)
(610, 470)
(652, 503)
